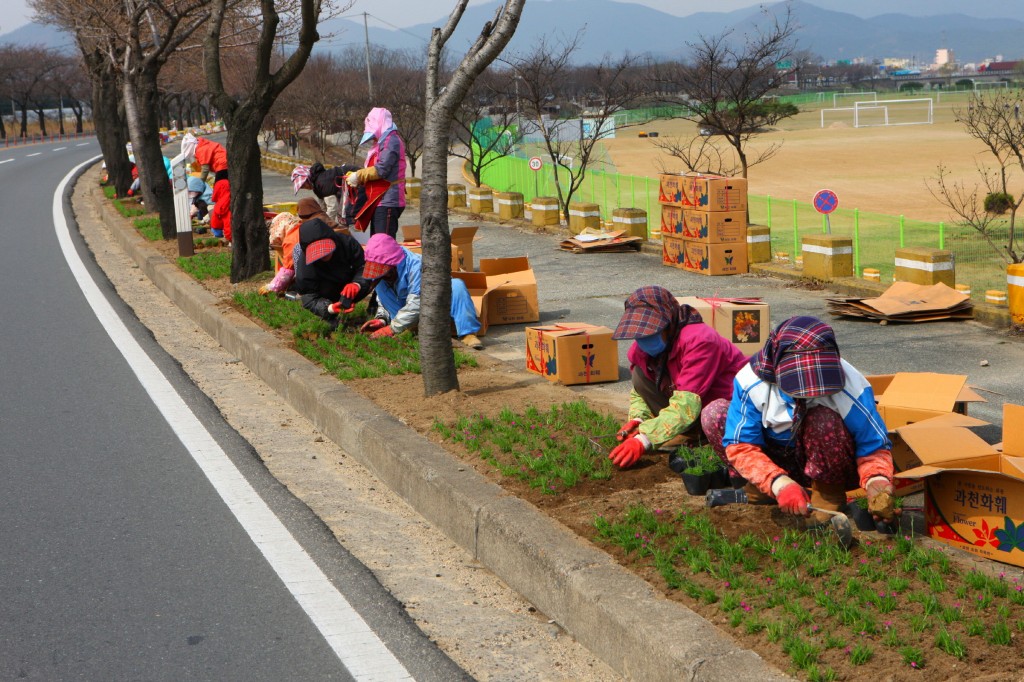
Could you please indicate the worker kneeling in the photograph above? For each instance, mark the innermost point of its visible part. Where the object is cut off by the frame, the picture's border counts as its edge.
(397, 272)
(800, 416)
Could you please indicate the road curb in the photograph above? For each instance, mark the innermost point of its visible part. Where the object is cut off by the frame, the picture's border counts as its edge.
(609, 610)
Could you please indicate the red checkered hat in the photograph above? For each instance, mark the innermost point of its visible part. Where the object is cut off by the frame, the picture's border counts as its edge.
(319, 249)
(375, 270)
(648, 311)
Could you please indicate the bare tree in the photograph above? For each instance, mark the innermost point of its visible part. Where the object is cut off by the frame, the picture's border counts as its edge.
(723, 85)
(245, 109)
(486, 125)
(436, 356)
(603, 90)
(997, 121)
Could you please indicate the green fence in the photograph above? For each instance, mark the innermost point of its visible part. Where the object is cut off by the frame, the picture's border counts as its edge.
(875, 236)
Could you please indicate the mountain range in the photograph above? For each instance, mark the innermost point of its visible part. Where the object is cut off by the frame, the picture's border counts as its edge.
(616, 28)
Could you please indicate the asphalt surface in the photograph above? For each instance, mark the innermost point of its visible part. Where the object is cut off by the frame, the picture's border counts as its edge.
(141, 539)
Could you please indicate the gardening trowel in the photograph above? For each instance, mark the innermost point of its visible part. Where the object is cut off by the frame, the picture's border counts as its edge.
(840, 523)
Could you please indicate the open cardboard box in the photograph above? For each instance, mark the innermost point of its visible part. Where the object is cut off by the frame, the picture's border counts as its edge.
(912, 386)
(744, 322)
(572, 353)
(504, 291)
(462, 239)
(974, 494)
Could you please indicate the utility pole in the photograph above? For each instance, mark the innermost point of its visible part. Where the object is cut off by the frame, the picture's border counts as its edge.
(369, 77)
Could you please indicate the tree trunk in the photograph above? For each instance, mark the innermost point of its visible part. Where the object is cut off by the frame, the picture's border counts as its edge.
(437, 360)
(41, 118)
(109, 123)
(250, 241)
(24, 121)
(141, 98)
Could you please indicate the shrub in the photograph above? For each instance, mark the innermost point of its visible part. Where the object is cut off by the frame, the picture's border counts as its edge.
(998, 202)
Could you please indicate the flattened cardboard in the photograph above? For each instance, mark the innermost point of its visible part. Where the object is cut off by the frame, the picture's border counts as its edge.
(744, 322)
(572, 353)
(462, 239)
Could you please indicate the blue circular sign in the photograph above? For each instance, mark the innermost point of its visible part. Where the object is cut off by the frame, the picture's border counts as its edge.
(825, 201)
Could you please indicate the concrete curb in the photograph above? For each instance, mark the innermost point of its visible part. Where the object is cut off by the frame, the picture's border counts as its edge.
(607, 609)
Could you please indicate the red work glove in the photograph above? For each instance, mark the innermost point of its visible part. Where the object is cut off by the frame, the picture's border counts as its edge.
(336, 308)
(793, 499)
(627, 429)
(626, 455)
(372, 325)
(383, 332)
(350, 291)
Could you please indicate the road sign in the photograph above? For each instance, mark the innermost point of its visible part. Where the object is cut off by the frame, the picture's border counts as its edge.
(825, 201)
(535, 163)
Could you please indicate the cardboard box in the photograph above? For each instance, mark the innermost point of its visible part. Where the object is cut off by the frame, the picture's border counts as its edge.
(572, 353)
(703, 192)
(462, 239)
(671, 251)
(504, 291)
(715, 259)
(746, 323)
(717, 227)
(672, 220)
(974, 494)
(966, 396)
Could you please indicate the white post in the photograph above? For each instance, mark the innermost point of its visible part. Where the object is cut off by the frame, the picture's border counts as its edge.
(182, 219)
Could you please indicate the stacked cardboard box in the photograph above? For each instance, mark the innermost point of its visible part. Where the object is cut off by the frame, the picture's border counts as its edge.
(708, 214)
(572, 353)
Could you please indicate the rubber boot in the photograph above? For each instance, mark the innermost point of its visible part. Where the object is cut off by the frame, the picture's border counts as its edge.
(830, 496)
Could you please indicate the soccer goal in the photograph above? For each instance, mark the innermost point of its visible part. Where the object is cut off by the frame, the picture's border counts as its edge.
(838, 97)
(893, 112)
(991, 85)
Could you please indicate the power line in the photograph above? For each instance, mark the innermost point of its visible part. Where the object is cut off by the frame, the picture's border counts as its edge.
(387, 23)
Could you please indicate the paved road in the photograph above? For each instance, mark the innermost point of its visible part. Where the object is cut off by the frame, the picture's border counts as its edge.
(139, 538)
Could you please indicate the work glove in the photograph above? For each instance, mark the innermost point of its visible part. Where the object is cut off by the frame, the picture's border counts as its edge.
(336, 309)
(627, 454)
(791, 496)
(372, 325)
(350, 291)
(628, 429)
(264, 291)
(880, 504)
(362, 176)
(383, 332)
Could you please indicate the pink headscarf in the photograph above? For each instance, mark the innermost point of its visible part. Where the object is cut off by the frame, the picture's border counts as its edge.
(300, 174)
(282, 224)
(378, 122)
(382, 248)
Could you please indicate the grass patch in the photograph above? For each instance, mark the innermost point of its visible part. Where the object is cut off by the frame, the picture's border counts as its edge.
(149, 228)
(810, 595)
(128, 209)
(204, 266)
(549, 450)
(345, 353)
(109, 191)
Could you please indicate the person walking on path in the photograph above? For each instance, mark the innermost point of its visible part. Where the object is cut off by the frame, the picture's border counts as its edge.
(385, 161)
(397, 273)
(679, 365)
(800, 416)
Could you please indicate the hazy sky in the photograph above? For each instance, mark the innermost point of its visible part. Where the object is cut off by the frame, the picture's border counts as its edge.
(402, 13)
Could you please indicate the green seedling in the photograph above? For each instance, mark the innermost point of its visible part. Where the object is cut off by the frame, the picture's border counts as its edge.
(999, 634)
(861, 654)
(950, 644)
(149, 228)
(205, 266)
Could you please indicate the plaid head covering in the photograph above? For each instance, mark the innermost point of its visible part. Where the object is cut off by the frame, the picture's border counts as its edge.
(802, 358)
(319, 249)
(650, 310)
(300, 174)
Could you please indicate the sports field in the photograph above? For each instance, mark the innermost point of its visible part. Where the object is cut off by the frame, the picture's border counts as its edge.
(874, 169)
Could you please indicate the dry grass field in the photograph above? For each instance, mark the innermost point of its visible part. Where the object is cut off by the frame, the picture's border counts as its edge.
(877, 169)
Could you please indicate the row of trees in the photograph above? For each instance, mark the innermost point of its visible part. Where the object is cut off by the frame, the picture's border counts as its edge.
(41, 80)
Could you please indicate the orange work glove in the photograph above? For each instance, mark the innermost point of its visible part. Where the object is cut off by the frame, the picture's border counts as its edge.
(372, 325)
(383, 332)
(627, 454)
(628, 429)
(792, 497)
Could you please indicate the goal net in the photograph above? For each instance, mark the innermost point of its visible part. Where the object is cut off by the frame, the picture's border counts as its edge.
(893, 112)
(847, 99)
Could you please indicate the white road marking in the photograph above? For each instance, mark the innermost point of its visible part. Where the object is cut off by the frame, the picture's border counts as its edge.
(36, 154)
(57, 149)
(6, 160)
(81, 144)
(355, 644)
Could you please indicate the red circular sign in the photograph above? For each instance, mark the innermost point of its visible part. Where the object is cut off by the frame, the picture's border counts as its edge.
(825, 201)
(536, 163)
